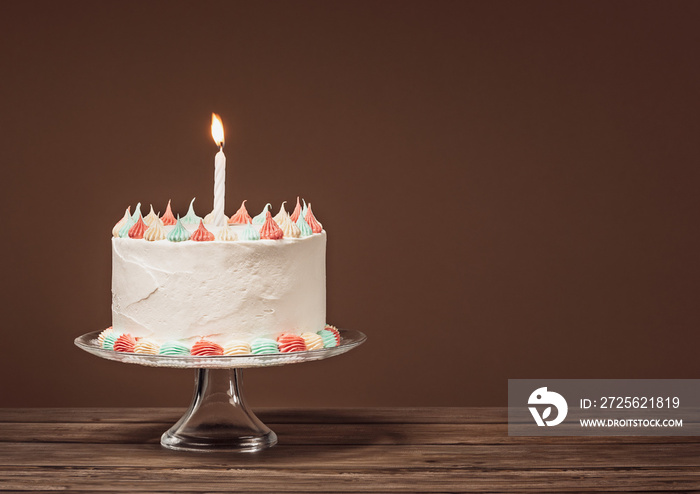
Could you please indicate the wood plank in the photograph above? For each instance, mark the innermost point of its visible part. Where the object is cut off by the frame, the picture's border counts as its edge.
(522, 457)
(309, 434)
(312, 480)
(439, 415)
(108, 490)
(338, 450)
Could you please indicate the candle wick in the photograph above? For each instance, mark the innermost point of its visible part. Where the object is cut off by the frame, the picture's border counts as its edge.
(221, 146)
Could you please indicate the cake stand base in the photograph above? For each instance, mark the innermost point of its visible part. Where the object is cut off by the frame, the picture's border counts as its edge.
(218, 418)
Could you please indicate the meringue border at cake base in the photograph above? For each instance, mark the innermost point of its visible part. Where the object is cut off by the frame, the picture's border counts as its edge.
(286, 342)
(347, 340)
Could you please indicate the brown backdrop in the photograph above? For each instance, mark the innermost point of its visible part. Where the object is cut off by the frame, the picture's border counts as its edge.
(509, 188)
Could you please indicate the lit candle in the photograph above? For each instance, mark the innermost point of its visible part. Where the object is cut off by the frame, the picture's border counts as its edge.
(217, 132)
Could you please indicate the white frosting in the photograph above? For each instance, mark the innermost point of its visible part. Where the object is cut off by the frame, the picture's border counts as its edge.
(241, 290)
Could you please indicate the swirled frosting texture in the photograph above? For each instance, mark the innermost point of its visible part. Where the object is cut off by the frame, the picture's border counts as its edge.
(146, 347)
(173, 348)
(226, 234)
(260, 219)
(297, 211)
(137, 212)
(150, 217)
(270, 229)
(312, 341)
(121, 222)
(138, 229)
(334, 330)
(241, 215)
(168, 218)
(205, 348)
(304, 228)
(329, 339)
(155, 232)
(263, 346)
(109, 340)
(236, 347)
(201, 234)
(124, 231)
(288, 342)
(179, 233)
(316, 227)
(281, 214)
(191, 217)
(250, 233)
(125, 343)
(290, 229)
(103, 334)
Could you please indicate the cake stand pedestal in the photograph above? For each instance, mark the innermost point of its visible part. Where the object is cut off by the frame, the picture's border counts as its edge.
(218, 418)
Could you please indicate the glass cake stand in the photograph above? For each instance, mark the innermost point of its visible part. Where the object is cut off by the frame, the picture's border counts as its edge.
(218, 418)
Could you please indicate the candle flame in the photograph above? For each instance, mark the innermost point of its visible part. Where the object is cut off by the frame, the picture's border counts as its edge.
(217, 130)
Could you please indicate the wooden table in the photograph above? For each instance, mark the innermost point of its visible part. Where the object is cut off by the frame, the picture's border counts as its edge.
(333, 450)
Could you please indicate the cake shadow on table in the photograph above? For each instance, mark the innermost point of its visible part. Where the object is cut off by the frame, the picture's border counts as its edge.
(332, 429)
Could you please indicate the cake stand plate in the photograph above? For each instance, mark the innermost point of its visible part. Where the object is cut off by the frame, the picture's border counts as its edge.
(218, 418)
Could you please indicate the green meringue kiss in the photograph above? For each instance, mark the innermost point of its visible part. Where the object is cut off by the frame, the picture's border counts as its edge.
(328, 338)
(124, 231)
(137, 212)
(110, 339)
(173, 348)
(304, 227)
(179, 233)
(191, 218)
(260, 219)
(263, 346)
(250, 233)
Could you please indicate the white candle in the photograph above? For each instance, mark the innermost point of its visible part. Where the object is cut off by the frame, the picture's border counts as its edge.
(217, 132)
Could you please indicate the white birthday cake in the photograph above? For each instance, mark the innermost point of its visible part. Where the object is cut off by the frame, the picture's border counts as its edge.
(186, 287)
